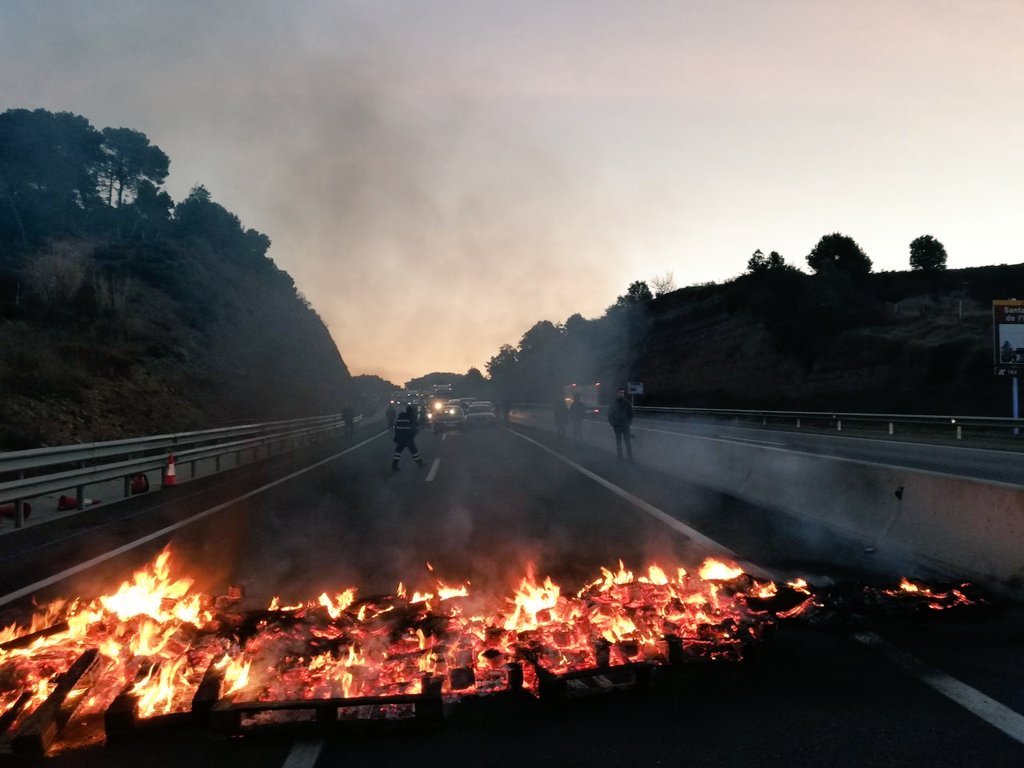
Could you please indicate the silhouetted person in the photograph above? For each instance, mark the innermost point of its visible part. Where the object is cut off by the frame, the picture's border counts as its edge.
(506, 406)
(405, 436)
(561, 419)
(349, 417)
(390, 414)
(620, 416)
(576, 412)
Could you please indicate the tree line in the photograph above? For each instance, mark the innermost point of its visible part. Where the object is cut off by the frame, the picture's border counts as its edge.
(840, 253)
(62, 177)
(801, 311)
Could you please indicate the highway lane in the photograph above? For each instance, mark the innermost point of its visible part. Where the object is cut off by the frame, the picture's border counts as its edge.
(962, 461)
(497, 500)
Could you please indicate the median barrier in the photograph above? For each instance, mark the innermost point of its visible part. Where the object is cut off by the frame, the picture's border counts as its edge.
(953, 526)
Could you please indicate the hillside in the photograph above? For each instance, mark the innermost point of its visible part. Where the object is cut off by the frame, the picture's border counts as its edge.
(120, 349)
(126, 314)
(898, 342)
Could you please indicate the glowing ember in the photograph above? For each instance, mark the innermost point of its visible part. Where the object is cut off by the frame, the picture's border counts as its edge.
(715, 570)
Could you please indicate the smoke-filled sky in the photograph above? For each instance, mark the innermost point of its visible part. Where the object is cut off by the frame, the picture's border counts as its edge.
(438, 176)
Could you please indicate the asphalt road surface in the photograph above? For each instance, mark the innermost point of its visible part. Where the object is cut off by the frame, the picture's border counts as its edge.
(939, 689)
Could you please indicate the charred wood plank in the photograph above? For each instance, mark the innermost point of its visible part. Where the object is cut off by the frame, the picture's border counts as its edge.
(26, 640)
(206, 694)
(8, 718)
(42, 727)
(325, 715)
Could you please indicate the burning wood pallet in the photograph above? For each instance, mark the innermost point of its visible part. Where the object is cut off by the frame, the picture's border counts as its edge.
(122, 720)
(319, 716)
(635, 677)
(143, 659)
(39, 729)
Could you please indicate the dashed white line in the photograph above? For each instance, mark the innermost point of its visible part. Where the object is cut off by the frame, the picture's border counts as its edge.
(749, 440)
(304, 754)
(433, 471)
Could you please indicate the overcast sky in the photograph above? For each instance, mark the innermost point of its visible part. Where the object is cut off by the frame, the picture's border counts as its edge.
(438, 176)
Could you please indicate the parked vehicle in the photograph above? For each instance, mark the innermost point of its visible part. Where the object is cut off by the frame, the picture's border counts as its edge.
(481, 414)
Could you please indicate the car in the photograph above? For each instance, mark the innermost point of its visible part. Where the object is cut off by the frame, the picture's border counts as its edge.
(450, 416)
(481, 414)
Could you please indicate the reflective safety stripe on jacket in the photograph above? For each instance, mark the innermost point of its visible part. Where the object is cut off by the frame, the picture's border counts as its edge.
(404, 428)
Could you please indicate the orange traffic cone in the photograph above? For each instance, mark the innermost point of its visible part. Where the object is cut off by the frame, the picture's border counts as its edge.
(170, 476)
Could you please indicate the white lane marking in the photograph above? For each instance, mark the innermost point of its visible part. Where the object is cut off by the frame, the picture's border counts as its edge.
(19, 593)
(304, 753)
(710, 544)
(433, 471)
(988, 709)
(749, 440)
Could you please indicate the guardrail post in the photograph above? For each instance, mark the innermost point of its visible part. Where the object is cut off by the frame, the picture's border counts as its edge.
(890, 427)
(19, 506)
(192, 470)
(959, 432)
(839, 425)
(80, 497)
(127, 486)
(798, 422)
(216, 462)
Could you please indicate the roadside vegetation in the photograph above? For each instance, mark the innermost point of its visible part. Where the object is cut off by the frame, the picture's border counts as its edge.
(124, 313)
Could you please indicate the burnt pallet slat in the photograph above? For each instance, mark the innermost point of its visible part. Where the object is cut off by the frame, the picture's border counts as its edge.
(121, 719)
(328, 715)
(462, 679)
(8, 718)
(26, 640)
(635, 677)
(42, 727)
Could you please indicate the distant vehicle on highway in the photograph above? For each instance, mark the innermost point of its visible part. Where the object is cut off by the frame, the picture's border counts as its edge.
(451, 416)
(481, 414)
(590, 396)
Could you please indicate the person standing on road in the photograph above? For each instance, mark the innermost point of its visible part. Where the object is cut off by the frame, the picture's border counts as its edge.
(561, 419)
(405, 436)
(576, 412)
(620, 416)
(390, 414)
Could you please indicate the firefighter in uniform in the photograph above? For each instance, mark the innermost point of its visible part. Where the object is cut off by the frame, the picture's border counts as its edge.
(405, 436)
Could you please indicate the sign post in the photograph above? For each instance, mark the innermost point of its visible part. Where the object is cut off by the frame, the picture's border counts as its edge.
(634, 388)
(1008, 346)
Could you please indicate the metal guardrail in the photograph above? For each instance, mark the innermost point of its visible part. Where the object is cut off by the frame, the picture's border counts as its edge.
(836, 419)
(25, 475)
